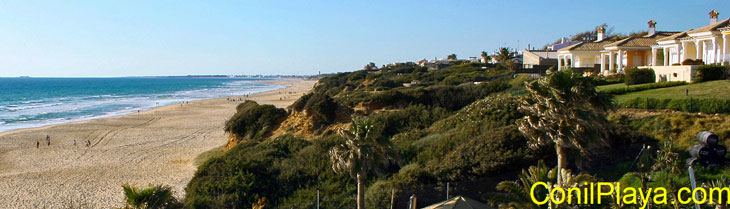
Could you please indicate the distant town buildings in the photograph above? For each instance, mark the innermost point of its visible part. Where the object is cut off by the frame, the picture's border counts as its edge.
(672, 54)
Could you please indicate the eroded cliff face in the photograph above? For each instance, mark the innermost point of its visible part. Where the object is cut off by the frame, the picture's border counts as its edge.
(298, 124)
(301, 125)
(234, 140)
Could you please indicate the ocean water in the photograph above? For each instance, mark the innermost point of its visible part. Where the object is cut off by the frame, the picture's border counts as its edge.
(35, 102)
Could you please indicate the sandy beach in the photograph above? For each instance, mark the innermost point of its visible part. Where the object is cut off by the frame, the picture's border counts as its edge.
(152, 147)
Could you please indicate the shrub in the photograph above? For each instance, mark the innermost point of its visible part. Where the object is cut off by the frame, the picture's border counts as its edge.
(253, 170)
(157, 196)
(456, 97)
(709, 72)
(412, 174)
(500, 150)
(253, 120)
(322, 108)
(390, 123)
(378, 195)
(240, 177)
(452, 80)
(642, 87)
(687, 105)
(693, 62)
(611, 79)
(639, 76)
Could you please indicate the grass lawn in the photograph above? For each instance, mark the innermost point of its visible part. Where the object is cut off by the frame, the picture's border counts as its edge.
(612, 86)
(706, 90)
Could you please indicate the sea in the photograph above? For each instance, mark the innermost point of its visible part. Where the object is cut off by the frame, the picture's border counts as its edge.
(27, 102)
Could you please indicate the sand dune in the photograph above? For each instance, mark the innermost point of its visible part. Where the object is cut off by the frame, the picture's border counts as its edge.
(153, 147)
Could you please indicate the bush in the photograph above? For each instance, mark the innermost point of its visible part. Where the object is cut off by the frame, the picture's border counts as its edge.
(629, 89)
(254, 121)
(709, 72)
(693, 62)
(390, 123)
(500, 150)
(639, 76)
(610, 79)
(456, 97)
(158, 196)
(710, 106)
(378, 195)
(322, 108)
(253, 170)
(239, 178)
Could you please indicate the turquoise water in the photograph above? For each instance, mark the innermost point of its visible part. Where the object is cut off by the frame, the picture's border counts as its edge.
(34, 102)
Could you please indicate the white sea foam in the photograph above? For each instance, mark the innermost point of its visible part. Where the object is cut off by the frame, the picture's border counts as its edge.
(37, 113)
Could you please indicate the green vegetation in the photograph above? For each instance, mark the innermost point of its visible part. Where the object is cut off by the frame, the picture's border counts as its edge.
(252, 170)
(685, 105)
(153, 197)
(518, 192)
(618, 89)
(504, 56)
(565, 111)
(321, 108)
(451, 57)
(361, 153)
(442, 128)
(254, 121)
(205, 156)
(611, 79)
(639, 76)
(709, 73)
(679, 128)
(705, 90)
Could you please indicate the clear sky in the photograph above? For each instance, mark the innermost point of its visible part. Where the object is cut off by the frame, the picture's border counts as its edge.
(138, 38)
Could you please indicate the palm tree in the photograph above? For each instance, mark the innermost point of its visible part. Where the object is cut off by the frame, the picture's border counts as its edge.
(565, 110)
(451, 57)
(485, 58)
(504, 56)
(154, 197)
(518, 192)
(361, 153)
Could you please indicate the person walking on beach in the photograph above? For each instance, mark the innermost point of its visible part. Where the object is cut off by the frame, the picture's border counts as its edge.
(37, 144)
(48, 139)
(74, 142)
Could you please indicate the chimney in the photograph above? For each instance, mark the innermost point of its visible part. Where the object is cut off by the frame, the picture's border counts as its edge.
(713, 16)
(601, 33)
(652, 27)
(562, 40)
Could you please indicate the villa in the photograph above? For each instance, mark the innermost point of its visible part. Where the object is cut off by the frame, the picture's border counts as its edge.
(678, 55)
(631, 52)
(532, 58)
(583, 55)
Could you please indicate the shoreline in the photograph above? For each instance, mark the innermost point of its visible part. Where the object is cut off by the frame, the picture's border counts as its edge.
(156, 146)
(146, 109)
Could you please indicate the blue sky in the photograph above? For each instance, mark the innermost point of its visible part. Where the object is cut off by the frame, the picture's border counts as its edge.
(138, 38)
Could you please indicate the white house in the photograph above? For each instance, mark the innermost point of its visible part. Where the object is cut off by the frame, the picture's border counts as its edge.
(708, 44)
(531, 58)
(583, 54)
(631, 52)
